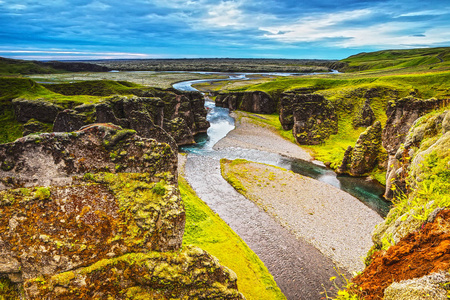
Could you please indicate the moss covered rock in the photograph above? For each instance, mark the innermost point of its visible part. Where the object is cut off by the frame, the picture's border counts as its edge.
(401, 115)
(35, 126)
(96, 214)
(365, 116)
(314, 118)
(189, 274)
(255, 102)
(39, 109)
(100, 193)
(363, 158)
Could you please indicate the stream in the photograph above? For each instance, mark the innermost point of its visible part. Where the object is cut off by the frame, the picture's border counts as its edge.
(300, 270)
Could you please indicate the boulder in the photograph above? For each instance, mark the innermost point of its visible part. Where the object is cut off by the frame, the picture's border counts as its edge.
(429, 287)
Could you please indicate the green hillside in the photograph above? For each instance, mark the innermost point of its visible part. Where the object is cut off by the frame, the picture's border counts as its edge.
(15, 67)
(389, 60)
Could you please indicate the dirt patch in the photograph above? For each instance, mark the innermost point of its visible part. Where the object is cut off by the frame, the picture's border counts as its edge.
(418, 254)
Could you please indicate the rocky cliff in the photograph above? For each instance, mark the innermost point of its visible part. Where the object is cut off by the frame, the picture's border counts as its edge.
(311, 117)
(409, 259)
(96, 214)
(361, 159)
(166, 115)
(255, 102)
(401, 116)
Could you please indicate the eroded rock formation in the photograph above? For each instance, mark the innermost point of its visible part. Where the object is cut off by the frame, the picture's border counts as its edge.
(361, 159)
(421, 253)
(90, 215)
(311, 117)
(255, 102)
(168, 115)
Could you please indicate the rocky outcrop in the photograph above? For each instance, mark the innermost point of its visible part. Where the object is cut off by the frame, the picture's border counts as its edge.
(33, 126)
(401, 115)
(365, 116)
(399, 162)
(91, 215)
(362, 159)
(429, 287)
(190, 274)
(311, 117)
(418, 255)
(167, 115)
(255, 102)
(39, 109)
(69, 120)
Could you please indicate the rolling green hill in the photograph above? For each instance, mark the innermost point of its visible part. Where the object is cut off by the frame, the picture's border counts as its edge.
(420, 59)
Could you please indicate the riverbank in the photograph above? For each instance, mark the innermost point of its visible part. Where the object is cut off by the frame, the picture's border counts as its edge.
(331, 220)
(250, 135)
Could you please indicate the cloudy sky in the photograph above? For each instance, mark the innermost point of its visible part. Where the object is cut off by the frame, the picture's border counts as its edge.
(329, 29)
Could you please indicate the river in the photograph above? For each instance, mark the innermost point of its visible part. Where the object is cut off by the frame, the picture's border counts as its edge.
(300, 270)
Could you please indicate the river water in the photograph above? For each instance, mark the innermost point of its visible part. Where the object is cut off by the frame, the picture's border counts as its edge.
(299, 269)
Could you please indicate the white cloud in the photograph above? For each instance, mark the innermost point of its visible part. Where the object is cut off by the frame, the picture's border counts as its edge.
(17, 7)
(313, 28)
(426, 13)
(73, 55)
(97, 5)
(331, 31)
(224, 14)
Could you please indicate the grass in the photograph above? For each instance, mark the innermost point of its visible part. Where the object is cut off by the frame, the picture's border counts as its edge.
(422, 58)
(206, 230)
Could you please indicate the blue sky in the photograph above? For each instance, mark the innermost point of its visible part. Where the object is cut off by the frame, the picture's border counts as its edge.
(328, 29)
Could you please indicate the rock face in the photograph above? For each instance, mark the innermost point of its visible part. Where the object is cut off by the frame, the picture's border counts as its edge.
(311, 117)
(416, 255)
(365, 116)
(401, 115)
(35, 109)
(361, 159)
(254, 102)
(89, 214)
(429, 287)
(399, 162)
(166, 114)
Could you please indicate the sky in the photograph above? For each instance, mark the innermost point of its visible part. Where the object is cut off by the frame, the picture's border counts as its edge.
(138, 29)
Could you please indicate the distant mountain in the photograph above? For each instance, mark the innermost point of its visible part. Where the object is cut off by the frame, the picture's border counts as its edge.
(421, 58)
(15, 66)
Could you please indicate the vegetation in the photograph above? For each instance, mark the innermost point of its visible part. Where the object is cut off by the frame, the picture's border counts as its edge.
(348, 94)
(206, 230)
(14, 67)
(388, 60)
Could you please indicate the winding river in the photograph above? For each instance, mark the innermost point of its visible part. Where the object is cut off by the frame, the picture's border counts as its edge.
(298, 268)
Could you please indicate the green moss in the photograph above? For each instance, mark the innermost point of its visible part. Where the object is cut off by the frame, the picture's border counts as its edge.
(206, 230)
(8, 291)
(42, 193)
